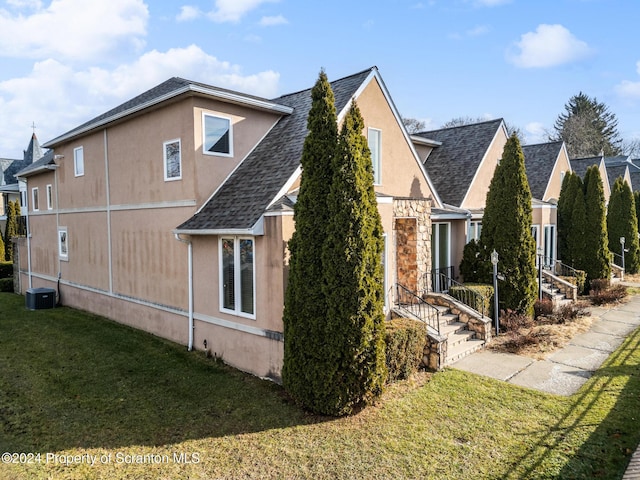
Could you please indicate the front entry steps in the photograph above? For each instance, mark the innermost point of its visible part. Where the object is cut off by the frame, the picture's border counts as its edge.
(460, 340)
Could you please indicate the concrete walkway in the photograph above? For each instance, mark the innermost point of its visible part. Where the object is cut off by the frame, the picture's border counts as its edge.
(567, 369)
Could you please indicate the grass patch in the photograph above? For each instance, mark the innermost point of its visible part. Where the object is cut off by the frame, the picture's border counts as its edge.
(76, 384)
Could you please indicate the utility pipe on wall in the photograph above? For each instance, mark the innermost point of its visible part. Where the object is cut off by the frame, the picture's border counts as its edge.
(190, 263)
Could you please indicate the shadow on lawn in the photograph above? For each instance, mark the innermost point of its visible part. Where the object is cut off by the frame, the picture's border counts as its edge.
(608, 449)
(72, 380)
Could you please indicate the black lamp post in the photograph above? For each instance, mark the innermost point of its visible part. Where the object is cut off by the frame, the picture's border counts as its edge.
(494, 262)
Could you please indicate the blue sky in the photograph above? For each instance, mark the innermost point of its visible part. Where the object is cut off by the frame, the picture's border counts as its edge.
(65, 61)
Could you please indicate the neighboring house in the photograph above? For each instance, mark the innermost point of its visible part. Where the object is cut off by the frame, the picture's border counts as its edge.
(621, 166)
(580, 166)
(9, 186)
(546, 165)
(172, 212)
(460, 162)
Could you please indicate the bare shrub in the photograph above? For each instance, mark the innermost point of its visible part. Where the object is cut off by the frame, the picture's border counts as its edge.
(512, 321)
(543, 307)
(610, 295)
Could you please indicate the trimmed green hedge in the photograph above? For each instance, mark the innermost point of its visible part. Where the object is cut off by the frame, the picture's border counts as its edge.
(579, 280)
(6, 269)
(485, 295)
(6, 285)
(405, 340)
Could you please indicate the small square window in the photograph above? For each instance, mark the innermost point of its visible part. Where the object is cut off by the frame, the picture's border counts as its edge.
(217, 135)
(78, 161)
(172, 160)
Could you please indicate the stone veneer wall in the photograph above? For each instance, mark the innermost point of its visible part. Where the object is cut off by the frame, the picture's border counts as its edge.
(412, 228)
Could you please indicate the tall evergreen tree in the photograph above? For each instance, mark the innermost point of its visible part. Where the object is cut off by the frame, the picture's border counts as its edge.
(354, 277)
(1, 247)
(571, 186)
(597, 254)
(11, 229)
(636, 201)
(622, 222)
(576, 240)
(306, 360)
(506, 227)
(588, 128)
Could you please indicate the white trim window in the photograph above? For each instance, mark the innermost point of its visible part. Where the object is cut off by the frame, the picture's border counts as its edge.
(172, 153)
(237, 276)
(217, 135)
(34, 199)
(78, 161)
(49, 197)
(474, 231)
(63, 243)
(374, 138)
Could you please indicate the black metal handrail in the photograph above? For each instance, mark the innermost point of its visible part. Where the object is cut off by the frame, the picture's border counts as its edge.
(564, 270)
(617, 259)
(411, 303)
(439, 279)
(471, 298)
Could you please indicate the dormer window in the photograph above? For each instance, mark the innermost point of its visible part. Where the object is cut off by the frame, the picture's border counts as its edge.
(217, 135)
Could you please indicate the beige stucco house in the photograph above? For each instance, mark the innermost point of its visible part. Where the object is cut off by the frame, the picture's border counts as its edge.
(171, 212)
(546, 165)
(460, 162)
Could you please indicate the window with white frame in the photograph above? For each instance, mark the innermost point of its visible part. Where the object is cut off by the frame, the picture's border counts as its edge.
(375, 146)
(172, 160)
(34, 199)
(237, 276)
(78, 161)
(217, 135)
(63, 243)
(474, 231)
(49, 197)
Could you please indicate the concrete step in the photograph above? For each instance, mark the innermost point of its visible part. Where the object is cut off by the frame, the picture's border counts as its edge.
(458, 338)
(447, 318)
(463, 349)
(451, 328)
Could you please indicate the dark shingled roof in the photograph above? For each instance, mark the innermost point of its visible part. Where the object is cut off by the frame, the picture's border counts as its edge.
(539, 161)
(453, 165)
(580, 165)
(242, 199)
(170, 88)
(37, 165)
(31, 154)
(615, 171)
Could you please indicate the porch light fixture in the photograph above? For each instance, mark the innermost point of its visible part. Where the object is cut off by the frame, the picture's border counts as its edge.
(494, 262)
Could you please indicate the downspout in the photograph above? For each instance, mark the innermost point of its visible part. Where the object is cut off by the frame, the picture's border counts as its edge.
(190, 264)
(28, 237)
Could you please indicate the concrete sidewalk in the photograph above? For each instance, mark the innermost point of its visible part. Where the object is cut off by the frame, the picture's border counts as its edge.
(566, 370)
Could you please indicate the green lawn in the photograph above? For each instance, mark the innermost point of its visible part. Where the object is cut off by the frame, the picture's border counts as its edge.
(76, 384)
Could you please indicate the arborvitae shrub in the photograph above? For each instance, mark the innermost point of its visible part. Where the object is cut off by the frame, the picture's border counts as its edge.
(405, 340)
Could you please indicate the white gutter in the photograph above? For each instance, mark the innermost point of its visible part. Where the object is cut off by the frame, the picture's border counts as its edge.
(190, 263)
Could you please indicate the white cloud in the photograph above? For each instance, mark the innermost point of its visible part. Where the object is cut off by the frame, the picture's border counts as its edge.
(187, 12)
(536, 133)
(233, 10)
(548, 46)
(73, 97)
(273, 21)
(73, 29)
(629, 89)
